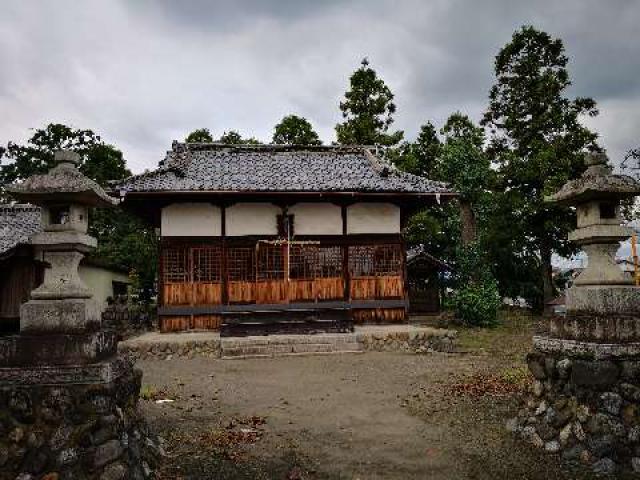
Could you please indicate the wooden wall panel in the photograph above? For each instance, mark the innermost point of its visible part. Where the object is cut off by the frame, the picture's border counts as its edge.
(363, 288)
(206, 322)
(271, 291)
(389, 287)
(18, 276)
(177, 293)
(379, 315)
(174, 323)
(241, 292)
(329, 288)
(207, 293)
(301, 291)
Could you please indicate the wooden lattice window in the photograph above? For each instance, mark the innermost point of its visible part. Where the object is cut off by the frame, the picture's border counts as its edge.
(241, 264)
(375, 260)
(307, 262)
(303, 262)
(175, 265)
(329, 262)
(207, 264)
(270, 261)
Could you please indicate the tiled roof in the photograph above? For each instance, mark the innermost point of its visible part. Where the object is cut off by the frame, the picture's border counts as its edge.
(17, 224)
(276, 168)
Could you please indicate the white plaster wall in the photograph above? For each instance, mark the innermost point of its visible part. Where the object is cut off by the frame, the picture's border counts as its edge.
(191, 220)
(252, 219)
(316, 219)
(373, 218)
(99, 280)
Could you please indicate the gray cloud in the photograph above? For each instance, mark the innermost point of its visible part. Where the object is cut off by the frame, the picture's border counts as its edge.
(143, 73)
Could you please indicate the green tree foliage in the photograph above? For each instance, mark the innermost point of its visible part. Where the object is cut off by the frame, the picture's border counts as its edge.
(123, 239)
(418, 157)
(367, 110)
(22, 161)
(538, 142)
(476, 299)
(232, 137)
(200, 135)
(295, 130)
(463, 163)
(459, 159)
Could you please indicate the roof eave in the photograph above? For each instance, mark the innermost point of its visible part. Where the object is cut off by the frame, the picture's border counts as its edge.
(290, 192)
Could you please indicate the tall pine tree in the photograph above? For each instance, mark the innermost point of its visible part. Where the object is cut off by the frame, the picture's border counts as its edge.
(538, 142)
(367, 110)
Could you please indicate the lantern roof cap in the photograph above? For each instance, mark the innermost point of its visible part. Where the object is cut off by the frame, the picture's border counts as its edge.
(597, 182)
(64, 183)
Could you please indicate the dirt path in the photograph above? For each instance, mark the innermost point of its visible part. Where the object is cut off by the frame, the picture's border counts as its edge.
(367, 416)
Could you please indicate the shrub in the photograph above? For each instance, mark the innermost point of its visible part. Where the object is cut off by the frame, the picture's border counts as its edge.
(476, 303)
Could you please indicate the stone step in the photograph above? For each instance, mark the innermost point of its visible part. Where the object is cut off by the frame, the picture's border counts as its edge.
(260, 347)
(336, 339)
(242, 357)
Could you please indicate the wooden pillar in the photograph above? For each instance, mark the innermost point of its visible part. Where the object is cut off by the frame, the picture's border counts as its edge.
(161, 298)
(345, 255)
(223, 253)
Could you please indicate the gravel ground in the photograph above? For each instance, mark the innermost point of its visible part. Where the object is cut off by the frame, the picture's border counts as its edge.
(356, 416)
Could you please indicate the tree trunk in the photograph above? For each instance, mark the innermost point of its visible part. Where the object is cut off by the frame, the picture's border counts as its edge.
(468, 223)
(547, 277)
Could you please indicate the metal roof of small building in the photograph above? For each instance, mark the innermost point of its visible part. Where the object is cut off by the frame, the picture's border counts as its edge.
(277, 168)
(17, 224)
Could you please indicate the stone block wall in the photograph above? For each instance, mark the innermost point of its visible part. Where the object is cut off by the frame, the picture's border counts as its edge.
(75, 432)
(167, 350)
(585, 409)
(418, 341)
(129, 319)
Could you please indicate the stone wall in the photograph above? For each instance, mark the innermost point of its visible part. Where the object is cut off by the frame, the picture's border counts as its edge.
(129, 319)
(167, 350)
(416, 341)
(584, 408)
(75, 432)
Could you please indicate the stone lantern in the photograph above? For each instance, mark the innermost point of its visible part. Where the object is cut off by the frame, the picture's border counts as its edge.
(63, 384)
(62, 303)
(584, 401)
(602, 287)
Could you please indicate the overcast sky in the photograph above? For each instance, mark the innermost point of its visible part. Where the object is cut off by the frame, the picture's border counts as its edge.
(142, 73)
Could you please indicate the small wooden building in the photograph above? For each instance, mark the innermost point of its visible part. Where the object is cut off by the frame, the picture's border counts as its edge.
(424, 277)
(278, 237)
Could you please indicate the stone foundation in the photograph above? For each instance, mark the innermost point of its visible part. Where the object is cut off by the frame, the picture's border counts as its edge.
(412, 341)
(75, 430)
(374, 338)
(583, 405)
(167, 350)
